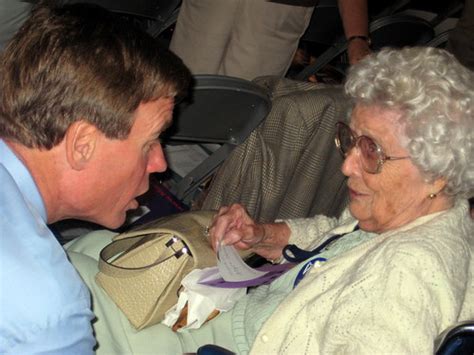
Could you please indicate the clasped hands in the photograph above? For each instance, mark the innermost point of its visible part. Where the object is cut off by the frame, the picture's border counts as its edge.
(232, 225)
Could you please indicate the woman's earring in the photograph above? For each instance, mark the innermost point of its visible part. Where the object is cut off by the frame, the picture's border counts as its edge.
(432, 196)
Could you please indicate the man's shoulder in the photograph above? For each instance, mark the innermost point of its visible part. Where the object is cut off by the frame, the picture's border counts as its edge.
(13, 203)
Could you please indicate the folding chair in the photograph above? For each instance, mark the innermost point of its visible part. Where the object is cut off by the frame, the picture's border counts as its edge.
(222, 110)
(395, 31)
(456, 340)
(440, 40)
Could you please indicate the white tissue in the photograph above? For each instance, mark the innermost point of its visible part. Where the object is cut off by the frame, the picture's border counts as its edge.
(202, 299)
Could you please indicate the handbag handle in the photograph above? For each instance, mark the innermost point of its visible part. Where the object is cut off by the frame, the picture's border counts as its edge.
(123, 246)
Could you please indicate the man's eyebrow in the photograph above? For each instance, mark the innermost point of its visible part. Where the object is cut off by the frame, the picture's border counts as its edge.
(157, 132)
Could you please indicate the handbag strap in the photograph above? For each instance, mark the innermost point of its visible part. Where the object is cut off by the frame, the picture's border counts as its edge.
(122, 246)
(197, 242)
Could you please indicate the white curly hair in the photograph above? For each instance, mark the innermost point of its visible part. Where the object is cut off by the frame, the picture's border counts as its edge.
(435, 94)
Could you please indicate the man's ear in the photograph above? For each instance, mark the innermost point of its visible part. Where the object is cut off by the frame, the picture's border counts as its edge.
(81, 140)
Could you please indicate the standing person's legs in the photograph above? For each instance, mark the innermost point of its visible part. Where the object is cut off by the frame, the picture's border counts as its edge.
(264, 39)
(202, 33)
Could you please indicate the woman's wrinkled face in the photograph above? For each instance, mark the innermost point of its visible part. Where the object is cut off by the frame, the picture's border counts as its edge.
(399, 193)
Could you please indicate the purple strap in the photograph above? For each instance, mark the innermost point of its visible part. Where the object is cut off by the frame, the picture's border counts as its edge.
(273, 271)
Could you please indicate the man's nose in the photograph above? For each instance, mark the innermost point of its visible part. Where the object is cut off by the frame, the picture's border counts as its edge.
(156, 160)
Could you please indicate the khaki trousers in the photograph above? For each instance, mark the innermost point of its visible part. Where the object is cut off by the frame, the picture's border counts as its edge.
(241, 38)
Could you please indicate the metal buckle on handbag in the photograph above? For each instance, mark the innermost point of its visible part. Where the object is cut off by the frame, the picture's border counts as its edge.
(177, 253)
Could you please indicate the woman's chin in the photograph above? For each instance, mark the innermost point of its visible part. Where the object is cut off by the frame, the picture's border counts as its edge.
(361, 214)
(357, 210)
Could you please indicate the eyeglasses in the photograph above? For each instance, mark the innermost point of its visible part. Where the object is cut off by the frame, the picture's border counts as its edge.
(370, 154)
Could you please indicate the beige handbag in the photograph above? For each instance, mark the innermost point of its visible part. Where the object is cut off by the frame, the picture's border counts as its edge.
(141, 270)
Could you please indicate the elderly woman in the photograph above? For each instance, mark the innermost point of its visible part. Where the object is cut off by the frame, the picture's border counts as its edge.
(396, 268)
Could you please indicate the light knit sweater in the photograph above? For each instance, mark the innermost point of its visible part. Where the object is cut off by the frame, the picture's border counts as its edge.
(392, 294)
(251, 312)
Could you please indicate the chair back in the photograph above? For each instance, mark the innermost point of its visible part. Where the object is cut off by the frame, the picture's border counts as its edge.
(440, 40)
(396, 30)
(456, 340)
(399, 31)
(221, 110)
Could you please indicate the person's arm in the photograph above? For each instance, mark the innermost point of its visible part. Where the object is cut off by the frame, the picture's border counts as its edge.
(274, 239)
(354, 15)
(233, 226)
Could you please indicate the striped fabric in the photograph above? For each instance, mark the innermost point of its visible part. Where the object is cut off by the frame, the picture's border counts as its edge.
(289, 166)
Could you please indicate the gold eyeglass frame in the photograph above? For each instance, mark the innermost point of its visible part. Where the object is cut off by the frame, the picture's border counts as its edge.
(382, 157)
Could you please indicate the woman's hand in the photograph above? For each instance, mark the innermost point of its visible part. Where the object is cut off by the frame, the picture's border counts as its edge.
(233, 226)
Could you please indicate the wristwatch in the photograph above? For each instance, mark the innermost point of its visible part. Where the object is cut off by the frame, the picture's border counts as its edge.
(364, 38)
